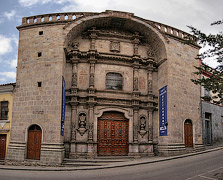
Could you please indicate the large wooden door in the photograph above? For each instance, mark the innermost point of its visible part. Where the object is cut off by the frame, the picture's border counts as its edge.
(112, 134)
(2, 146)
(34, 143)
(188, 133)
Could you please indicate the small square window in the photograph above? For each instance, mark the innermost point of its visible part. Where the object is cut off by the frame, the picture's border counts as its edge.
(39, 54)
(39, 84)
(40, 32)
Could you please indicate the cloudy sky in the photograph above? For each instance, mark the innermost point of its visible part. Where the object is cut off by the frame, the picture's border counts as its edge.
(176, 13)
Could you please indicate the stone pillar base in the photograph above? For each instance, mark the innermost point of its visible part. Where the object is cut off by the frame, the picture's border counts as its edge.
(16, 151)
(52, 153)
(171, 149)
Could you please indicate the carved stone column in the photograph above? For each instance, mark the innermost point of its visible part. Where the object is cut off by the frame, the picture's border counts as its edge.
(91, 79)
(136, 42)
(74, 74)
(135, 124)
(149, 77)
(150, 128)
(93, 36)
(91, 145)
(74, 125)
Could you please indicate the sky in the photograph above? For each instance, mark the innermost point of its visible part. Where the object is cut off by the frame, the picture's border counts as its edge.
(176, 13)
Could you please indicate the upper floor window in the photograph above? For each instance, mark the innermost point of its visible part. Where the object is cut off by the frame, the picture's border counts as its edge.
(114, 81)
(4, 110)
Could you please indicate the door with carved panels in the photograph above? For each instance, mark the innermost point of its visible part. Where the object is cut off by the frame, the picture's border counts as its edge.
(2, 146)
(113, 134)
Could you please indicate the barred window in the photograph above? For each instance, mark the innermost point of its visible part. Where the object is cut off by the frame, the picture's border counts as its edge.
(4, 110)
(114, 81)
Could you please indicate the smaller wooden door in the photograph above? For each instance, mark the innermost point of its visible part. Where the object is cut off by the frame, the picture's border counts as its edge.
(2, 146)
(34, 142)
(188, 133)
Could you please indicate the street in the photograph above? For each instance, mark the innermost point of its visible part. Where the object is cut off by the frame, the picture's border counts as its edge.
(199, 167)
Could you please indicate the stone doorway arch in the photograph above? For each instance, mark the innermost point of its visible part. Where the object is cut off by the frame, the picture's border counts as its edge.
(34, 142)
(112, 134)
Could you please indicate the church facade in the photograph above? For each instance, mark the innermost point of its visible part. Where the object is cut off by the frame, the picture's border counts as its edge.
(103, 84)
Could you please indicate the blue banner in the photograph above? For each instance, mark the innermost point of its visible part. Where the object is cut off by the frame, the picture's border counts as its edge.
(163, 111)
(63, 106)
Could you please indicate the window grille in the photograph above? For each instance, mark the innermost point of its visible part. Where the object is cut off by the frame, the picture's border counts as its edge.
(114, 81)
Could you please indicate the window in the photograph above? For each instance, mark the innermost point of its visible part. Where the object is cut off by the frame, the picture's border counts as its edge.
(208, 116)
(39, 84)
(4, 110)
(39, 54)
(114, 81)
(40, 32)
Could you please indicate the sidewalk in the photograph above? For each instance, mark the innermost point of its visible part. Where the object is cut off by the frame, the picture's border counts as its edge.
(146, 160)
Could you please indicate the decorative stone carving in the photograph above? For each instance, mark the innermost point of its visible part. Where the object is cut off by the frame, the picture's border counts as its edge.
(82, 123)
(142, 126)
(91, 79)
(115, 46)
(135, 84)
(74, 79)
(90, 132)
(75, 45)
(135, 132)
(73, 132)
(150, 54)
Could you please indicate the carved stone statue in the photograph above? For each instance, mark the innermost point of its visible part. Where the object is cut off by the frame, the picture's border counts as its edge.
(82, 121)
(82, 124)
(142, 126)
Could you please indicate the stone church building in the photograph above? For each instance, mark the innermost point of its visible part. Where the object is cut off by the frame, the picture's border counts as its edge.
(103, 84)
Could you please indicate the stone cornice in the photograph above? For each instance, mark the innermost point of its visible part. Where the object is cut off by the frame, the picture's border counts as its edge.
(68, 17)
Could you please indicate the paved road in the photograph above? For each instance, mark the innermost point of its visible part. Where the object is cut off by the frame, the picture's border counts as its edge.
(200, 167)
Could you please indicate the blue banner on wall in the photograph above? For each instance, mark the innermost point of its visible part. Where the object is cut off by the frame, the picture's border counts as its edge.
(163, 111)
(63, 106)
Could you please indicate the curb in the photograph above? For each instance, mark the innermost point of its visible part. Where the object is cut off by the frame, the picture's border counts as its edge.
(127, 164)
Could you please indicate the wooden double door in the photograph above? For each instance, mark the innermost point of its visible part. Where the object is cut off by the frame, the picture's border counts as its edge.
(113, 134)
(2, 146)
(34, 142)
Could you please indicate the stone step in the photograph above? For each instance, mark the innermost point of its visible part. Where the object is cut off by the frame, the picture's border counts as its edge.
(94, 160)
(2, 162)
(76, 164)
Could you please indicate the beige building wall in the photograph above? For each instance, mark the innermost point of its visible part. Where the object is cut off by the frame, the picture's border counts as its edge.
(6, 94)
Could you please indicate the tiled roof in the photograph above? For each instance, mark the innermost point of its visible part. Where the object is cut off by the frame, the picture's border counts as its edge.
(8, 84)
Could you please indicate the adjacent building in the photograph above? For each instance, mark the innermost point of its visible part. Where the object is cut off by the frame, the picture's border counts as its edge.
(212, 118)
(6, 99)
(103, 84)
